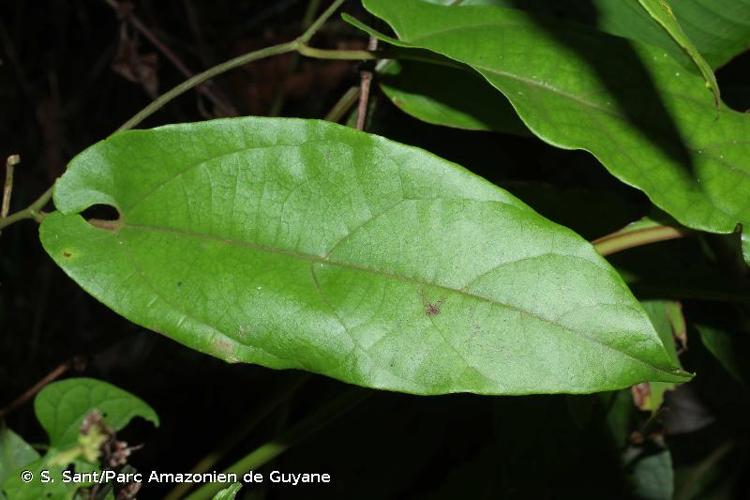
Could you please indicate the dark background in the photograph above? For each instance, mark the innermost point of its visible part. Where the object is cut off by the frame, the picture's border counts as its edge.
(72, 72)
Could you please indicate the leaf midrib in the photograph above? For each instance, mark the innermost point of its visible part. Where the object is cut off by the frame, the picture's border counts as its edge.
(357, 267)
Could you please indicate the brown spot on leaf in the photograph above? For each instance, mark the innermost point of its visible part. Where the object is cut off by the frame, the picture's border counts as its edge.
(225, 349)
(67, 254)
(109, 225)
(431, 309)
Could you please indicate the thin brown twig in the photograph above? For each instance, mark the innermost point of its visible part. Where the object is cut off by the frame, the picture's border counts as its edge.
(76, 362)
(204, 89)
(10, 164)
(364, 88)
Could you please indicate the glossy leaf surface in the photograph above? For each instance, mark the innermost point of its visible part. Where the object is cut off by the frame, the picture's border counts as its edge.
(304, 244)
(646, 118)
(62, 406)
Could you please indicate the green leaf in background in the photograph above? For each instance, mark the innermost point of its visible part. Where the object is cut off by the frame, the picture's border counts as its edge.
(639, 112)
(304, 244)
(62, 406)
(14, 453)
(228, 493)
(620, 17)
(718, 29)
(437, 97)
(443, 95)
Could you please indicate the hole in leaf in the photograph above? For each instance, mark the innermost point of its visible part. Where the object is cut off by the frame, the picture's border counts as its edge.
(102, 216)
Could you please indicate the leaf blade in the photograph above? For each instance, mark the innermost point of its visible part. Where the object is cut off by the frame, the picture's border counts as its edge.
(303, 244)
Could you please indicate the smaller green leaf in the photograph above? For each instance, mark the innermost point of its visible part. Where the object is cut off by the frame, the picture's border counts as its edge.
(651, 476)
(448, 96)
(619, 419)
(667, 318)
(14, 453)
(62, 406)
(228, 493)
(661, 12)
(45, 481)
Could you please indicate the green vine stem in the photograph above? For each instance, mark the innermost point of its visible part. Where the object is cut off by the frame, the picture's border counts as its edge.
(33, 211)
(297, 45)
(200, 78)
(272, 449)
(274, 50)
(630, 238)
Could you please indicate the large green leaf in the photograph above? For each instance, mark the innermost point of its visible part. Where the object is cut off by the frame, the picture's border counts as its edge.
(305, 244)
(62, 406)
(646, 118)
